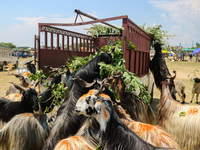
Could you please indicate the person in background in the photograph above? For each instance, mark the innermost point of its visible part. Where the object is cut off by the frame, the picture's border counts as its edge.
(190, 57)
(196, 57)
(181, 57)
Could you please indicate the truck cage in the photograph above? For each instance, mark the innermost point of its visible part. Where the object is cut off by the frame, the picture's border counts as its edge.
(77, 44)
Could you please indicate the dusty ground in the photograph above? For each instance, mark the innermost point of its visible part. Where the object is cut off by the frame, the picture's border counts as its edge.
(5, 78)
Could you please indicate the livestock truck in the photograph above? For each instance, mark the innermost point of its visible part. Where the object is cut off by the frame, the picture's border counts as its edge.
(55, 45)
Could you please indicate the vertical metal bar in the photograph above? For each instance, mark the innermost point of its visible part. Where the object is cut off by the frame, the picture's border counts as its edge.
(68, 43)
(83, 45)
(63, 42)
(80, 45)
(58, 48)
(72, 45)
(124, 41)
(45, 40)
(91, 50)
(87, 45)
(35, 38)
(38, 48)
(51, 41)
(76, 44)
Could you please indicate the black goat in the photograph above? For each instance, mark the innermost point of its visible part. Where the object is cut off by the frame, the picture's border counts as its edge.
(68, 122)
(159, 69)
(114, 134)
(28, 103)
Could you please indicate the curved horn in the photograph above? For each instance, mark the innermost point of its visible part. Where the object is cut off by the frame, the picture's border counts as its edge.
(169, 77)
(19, 87)
(35, 84)
(107, 81)
(83, 83)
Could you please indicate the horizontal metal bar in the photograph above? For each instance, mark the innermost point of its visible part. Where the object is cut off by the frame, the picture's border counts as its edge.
(83, 23)
(91, 17)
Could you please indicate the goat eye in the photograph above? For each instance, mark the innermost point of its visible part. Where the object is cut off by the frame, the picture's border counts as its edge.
(88, 99)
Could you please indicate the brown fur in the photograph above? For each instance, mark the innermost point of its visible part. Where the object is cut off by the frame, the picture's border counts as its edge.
(24, 132)
(185, 129)
(152, 134)
(134, 106)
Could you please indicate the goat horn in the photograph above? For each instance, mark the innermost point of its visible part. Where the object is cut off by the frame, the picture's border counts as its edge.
(83, 83)
(107, 81)
(35, 84)
(169, 77)
(19, 87)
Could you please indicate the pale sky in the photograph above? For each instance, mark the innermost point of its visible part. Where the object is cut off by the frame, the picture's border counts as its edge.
(19, 18)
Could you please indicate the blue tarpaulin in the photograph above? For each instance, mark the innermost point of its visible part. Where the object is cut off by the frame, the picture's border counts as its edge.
(195, 51)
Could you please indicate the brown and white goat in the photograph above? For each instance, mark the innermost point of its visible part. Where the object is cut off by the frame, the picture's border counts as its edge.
(150, 133)
(181, 121)
(196, 89)
(113, 133)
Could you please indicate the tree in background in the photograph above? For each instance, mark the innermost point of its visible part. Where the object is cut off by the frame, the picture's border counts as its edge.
(11, 45)
(157, 35)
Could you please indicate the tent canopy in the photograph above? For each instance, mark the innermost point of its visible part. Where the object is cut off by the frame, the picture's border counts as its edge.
(165, 51)
(187, 49)
(195, 51)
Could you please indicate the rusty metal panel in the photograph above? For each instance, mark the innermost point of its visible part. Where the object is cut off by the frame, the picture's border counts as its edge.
(56, 58)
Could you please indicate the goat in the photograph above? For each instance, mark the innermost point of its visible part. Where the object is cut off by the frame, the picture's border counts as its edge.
(68, 122)
(196, 89)
(135, 107)
(159, 69)
(113, 133)
(25, 82)
(181, 121)
(151, 134)
(24, 131)
(28, 103)
(180, 89)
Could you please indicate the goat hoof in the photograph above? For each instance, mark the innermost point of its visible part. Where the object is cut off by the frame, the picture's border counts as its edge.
(197, 102)
(183, 102)
(190, 101)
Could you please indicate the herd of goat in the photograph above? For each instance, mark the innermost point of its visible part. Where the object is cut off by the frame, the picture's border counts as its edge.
(90, 118)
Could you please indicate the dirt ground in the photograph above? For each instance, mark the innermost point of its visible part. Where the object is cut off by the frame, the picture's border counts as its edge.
(5, 78)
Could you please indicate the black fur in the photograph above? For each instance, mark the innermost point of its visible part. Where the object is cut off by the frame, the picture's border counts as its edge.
(119, 136)
(46, 97)
(158, 65)
(68, 122)
(29, 102)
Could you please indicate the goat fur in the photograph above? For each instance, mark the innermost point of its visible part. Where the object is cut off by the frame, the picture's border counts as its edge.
(113, 133)
(29, 102)
(68, 122)
(135, 107)
(158, 66)
(180, 89)
(24, 132)
(151, 134)
(184, 129)
(195, 89)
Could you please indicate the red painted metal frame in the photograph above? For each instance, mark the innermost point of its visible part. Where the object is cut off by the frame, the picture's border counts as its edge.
(81, 44)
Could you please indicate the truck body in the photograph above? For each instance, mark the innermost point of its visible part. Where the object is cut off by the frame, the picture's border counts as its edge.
(7, 56)
(54, 45)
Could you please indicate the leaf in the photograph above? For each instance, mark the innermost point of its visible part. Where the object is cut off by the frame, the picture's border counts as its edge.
(182, 113)
(98, 147)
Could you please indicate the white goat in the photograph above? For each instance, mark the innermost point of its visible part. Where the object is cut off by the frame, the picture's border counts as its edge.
(181, 121)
